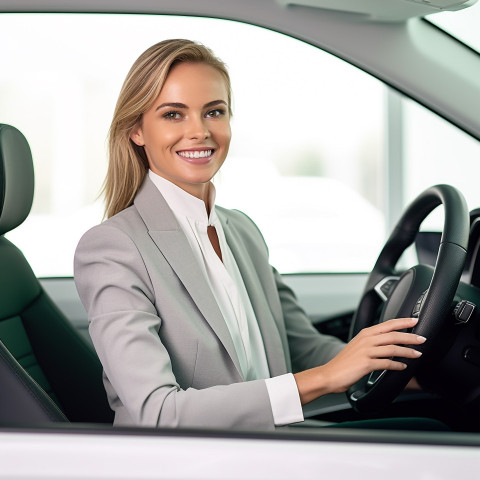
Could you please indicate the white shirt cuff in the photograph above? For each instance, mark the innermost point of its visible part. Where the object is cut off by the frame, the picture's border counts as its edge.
(284, 399)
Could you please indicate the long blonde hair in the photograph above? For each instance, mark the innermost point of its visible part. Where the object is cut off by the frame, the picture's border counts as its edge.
(128, 164)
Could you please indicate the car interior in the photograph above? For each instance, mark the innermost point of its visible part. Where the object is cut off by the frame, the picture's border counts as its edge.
(48, 366)
(49, 370)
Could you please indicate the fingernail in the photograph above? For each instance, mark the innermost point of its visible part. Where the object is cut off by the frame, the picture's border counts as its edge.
(421, 339)
(417, 353)
(414, 320)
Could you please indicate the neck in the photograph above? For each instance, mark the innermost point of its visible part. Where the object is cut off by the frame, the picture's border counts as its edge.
(201, 191)
(206, 198)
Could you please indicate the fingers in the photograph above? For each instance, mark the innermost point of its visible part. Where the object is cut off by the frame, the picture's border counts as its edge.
(391, 325)
(388, 364)
(387, 332)
(399, 338)
(395, 351)
(377, 348)
(384, 346)
(386, 357)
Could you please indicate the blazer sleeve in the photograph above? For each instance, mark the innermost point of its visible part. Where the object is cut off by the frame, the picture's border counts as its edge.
(115, 288)
(308, 347)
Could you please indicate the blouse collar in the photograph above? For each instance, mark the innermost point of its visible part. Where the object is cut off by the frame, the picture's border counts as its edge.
(183, 203)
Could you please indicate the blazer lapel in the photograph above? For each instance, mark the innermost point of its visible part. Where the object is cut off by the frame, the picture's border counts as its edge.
(272, 341)
(164, 230)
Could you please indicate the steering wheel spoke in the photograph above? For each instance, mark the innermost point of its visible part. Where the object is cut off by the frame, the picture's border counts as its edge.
(374, 377)
(385, 286)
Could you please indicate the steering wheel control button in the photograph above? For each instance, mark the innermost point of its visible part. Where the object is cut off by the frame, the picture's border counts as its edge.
(472, 355)
(385, 286)
(464, 311)
(418, 305)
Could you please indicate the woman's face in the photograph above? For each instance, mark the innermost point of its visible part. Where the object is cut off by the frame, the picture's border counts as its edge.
(186, 133)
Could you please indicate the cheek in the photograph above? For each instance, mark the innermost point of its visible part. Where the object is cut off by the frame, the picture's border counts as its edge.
(162, 140)
(225, 135)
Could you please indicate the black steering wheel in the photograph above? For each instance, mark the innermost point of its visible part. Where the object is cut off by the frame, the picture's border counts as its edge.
(420, 291)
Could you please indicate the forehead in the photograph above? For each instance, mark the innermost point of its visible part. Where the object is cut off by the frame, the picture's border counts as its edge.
(195, 82)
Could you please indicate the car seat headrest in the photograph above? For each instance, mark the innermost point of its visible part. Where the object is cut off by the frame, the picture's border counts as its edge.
(16, 178)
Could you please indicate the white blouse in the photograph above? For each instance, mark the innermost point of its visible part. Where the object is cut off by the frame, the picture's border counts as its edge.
(229, 290)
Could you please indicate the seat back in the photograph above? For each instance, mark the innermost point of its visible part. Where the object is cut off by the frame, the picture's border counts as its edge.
(46, 347)
(22, 400)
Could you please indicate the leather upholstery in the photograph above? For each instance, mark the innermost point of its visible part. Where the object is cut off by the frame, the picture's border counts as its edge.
(46, 367)
(22, 400)
(16, 178)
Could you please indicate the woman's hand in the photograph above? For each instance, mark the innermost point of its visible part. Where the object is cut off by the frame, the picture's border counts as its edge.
(369, 351)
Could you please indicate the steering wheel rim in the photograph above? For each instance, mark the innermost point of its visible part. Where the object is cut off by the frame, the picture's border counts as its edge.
(377, 390)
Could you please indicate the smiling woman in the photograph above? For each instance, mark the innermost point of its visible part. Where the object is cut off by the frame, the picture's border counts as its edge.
(170, 270)
(167, 128)
(187, 146)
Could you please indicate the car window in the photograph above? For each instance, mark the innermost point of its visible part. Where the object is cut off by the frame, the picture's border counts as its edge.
(436, 152)
(461, 24)
(311, 156)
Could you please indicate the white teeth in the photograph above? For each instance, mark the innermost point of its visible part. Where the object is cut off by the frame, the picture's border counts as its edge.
(195, 154)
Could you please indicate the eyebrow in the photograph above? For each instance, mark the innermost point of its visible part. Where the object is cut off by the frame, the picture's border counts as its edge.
(182, 105)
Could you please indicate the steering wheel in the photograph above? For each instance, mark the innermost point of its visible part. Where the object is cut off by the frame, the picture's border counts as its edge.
(421, 291)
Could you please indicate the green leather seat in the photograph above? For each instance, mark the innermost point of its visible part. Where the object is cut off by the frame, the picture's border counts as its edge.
(44, 362)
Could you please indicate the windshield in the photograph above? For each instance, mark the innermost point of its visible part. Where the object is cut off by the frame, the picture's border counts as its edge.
(463, 25)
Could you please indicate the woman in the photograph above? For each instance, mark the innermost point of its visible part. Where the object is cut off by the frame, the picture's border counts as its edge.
(192, 325)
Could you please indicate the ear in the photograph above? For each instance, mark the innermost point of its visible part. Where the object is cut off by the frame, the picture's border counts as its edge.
(136, 135)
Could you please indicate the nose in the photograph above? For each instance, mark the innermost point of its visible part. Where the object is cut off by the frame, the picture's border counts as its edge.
(198, 128)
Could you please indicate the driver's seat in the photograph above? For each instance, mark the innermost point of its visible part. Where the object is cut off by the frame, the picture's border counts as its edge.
(48, 372)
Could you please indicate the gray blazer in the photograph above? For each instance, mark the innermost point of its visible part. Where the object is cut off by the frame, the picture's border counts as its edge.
(167, 355)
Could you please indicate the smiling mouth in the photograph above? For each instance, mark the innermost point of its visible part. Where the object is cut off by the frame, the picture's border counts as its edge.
(196, 153)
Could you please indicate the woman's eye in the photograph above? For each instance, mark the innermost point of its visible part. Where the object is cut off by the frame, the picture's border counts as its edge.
(218, 112)
(172, 115)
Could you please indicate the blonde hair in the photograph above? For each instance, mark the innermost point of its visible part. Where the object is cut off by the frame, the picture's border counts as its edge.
(128, 164)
